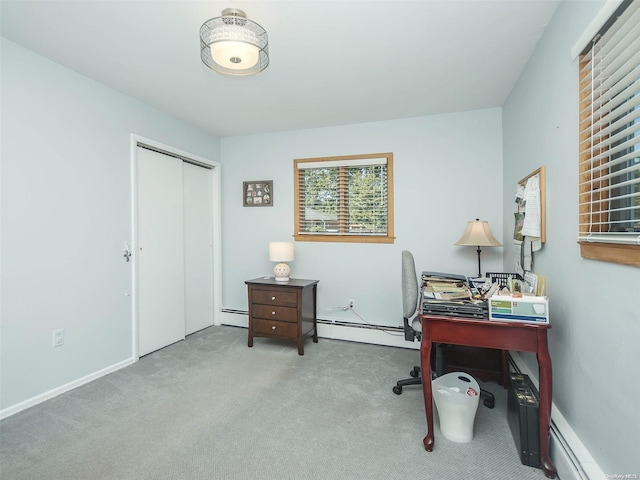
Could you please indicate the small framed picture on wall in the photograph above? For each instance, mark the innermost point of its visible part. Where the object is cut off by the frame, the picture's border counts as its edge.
(257, 193)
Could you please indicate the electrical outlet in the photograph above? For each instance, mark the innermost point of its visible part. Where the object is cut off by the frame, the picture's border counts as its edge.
(352, 303)
(58, 337)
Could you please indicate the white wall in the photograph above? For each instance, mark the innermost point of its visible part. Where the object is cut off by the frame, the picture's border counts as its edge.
(593, 305)
(447, 171)
(66, 214)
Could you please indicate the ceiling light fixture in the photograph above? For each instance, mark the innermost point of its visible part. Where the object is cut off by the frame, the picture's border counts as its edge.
(234, 45)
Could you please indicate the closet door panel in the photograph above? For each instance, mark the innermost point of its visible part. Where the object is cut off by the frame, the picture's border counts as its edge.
(198, 241)
(161, 301)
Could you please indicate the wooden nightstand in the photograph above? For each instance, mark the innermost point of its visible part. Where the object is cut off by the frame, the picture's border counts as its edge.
(283, 310)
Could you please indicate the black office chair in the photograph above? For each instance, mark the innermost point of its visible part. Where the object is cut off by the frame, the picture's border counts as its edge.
(413, 328)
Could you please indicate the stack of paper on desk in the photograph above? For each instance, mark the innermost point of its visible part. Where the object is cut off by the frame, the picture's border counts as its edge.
(449, 294)
(442, 286)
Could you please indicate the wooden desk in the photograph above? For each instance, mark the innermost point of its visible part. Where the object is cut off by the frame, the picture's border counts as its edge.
(524, 337)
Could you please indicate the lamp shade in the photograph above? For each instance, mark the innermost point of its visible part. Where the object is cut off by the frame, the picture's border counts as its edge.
(478, 234)
(281, 251)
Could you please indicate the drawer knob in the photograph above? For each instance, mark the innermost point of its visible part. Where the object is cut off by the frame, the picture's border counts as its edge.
(273, 298)
(273, 313)
(273, 328)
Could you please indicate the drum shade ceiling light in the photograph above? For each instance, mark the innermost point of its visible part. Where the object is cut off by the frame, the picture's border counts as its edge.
(234, 45)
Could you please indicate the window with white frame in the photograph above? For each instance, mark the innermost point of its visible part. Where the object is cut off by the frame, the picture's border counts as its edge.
(609, 171)
(344, 199)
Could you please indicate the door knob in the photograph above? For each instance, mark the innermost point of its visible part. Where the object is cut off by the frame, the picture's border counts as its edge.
(127, 252)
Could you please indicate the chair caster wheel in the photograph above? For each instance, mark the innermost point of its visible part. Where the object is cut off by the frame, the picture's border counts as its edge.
(414, 373)
(397, 390)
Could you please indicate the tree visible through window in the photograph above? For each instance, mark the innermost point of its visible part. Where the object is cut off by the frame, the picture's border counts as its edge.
(344, 198)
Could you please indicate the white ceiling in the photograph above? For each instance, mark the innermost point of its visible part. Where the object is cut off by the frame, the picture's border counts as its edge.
(332, 62)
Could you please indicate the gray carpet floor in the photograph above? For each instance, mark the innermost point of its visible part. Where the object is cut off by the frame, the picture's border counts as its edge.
(212, 408)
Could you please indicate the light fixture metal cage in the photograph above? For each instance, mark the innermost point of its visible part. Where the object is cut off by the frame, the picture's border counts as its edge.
(234, 26)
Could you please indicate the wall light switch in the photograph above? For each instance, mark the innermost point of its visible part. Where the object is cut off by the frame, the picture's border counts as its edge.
(58, 337)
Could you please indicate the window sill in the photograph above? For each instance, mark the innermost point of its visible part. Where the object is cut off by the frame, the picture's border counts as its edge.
(611, 252)
(343, 238)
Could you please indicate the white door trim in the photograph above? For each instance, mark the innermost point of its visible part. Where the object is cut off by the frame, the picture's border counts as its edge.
(137, 140)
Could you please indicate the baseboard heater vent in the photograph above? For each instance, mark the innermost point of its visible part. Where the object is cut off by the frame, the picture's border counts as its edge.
(234, 311)
(367, 326)
(339, 323)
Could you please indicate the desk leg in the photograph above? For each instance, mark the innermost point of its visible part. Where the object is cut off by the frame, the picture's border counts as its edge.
(315, 316)
(546, 386)
(425, 367)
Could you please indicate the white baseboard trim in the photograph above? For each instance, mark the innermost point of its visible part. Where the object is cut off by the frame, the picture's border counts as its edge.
(18, 407)
(571, 458)
(337, 331)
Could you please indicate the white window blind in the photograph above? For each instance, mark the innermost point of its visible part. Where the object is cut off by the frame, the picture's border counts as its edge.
(609, 184)
(343, 196)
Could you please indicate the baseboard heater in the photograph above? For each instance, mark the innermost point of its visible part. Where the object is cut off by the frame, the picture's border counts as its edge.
(367, 326)
(339, 323)
(234, 311)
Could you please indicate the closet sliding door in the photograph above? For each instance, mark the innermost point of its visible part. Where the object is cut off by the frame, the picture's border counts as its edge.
(198, 241)
(161, 299)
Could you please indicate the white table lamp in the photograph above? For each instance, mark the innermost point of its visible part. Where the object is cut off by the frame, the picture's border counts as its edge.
(281, 252)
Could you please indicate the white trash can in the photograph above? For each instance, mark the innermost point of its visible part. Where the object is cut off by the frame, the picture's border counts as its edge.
(456, 396)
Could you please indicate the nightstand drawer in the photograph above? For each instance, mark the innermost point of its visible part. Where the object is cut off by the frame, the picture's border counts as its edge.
(273, 328)
(275, 312)
(275, 297)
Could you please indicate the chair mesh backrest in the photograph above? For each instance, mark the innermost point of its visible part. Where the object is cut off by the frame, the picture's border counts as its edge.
(409, 285)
